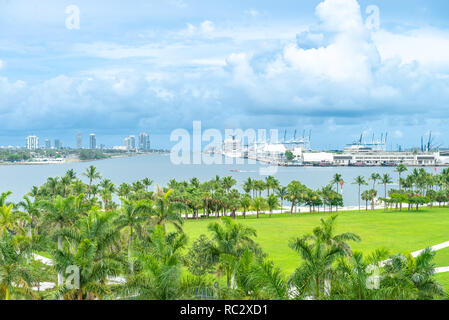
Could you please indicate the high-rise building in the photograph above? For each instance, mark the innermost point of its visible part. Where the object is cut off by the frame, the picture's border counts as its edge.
(47, 144)
(79, 141)
(144, 141)
(32, 143)
(58, 144)
(92, 142)
(130, 143)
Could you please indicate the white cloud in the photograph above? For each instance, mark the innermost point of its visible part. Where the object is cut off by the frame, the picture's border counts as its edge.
(349, 58)
(1, 64)
(340, 15)
(252, 12)
(428, 47)
(207, 27)
(178, 4)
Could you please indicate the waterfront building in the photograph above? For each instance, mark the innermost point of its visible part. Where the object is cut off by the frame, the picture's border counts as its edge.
(79, 141)
(273, 152)
(144, 141)
(58, 144)
(378, 158)
(92, 142)
(32, 143)
(130, 143)
(232, 147)
(47, 144)
(317, 158)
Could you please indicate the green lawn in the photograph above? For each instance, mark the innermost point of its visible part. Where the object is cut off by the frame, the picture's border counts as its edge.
(443, 279)
(442, 258)
(396, 231)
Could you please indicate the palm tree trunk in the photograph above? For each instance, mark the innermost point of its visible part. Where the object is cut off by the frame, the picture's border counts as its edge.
(359, 198)
(130, 242)
(60, 278)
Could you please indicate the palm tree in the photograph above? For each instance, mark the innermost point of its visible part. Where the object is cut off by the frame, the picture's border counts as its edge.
(124, 190)
(248, 186)
(165, 211)
(147, 183)
(337, 179)
(355, 278)
(92, 174)
(319, 251)
(159, 276)
(374, 178)
(295, 190)
(400, 169)
(259, 186)
(94, 244)
(59, 213)
(269, 281)
(8, 219)
(360, 181)
(411, 278)
(228, 183)
(271, 183)
(366, 197)
(132, 215)
(282, 193)
(245, 204)
(52, 184)
(15, 276)
(71, 174)
(372, 197)
(32, 210)
(259, 204)
(230, 240)
(272, 203)
(386, 179)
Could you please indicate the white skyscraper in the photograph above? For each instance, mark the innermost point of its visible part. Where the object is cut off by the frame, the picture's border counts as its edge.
(79, 140)
(144, 141)
(32, 143)
(130, 143)
(92, 142)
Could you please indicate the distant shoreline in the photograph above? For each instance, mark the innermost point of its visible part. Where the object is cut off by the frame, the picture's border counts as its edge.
(74, 160)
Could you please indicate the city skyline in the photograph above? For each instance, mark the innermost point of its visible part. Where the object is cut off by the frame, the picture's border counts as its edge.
(32, 142)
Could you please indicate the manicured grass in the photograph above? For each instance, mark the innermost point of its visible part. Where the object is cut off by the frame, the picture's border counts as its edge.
(399, 232)
(442, 258)
(443, 279)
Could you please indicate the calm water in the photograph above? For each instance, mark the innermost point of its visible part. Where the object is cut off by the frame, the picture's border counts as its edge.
(19, 179)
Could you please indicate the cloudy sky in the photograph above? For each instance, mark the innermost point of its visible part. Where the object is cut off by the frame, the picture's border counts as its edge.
(336, 67)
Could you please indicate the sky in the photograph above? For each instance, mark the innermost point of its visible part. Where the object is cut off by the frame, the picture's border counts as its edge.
(337, 67)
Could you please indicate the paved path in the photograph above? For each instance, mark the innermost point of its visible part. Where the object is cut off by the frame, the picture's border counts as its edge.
(434, 248)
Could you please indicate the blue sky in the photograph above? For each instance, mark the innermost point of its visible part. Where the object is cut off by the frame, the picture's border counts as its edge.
(151, 66)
